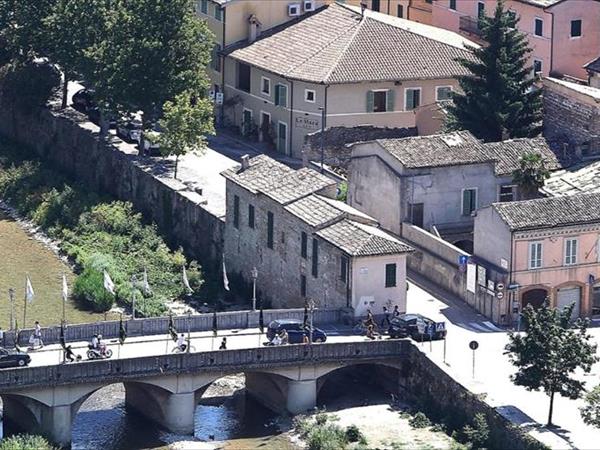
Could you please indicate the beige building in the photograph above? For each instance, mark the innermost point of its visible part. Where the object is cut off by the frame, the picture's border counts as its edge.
(351, 67)
(417, 10)
(306, 244)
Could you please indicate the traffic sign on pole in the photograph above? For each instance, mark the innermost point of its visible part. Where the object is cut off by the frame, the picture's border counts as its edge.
(473, 345)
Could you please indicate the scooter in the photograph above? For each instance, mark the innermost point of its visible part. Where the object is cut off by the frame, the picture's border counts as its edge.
(98, 353)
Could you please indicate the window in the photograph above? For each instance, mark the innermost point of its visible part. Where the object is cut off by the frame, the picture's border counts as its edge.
(303, 245)
(596, 300)
(576, 28)
(236, 211)
(538, 29)
(535, 255)
(344, 263)
(281, 95)
(204, 6)
(270, 225)
(309, 95)
(243, 80)
(265, 86)
(380, 101)
(469, 201)
(412, 98)
(570, 252)
(303, 285)
(537, 66)
(452, 5)
(400, 11)
(375, 6)
(480, 10)
(218, 13)
(390, 275)
(506, 193)
(443, 93)
(215, 58)
(251, 216)
(315, 258)
(416, 214)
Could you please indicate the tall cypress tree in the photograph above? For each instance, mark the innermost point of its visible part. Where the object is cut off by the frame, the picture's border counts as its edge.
(499, 100)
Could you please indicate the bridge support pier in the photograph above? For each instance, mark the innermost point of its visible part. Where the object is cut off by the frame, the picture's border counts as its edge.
(301, 396)
(56, 424)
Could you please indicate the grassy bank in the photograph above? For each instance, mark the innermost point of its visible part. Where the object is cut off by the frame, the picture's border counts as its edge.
(97, 233)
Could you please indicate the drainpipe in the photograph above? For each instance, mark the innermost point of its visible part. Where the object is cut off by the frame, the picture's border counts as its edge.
(223, 65)
(349, 282)
(510, 276)
(291, 132)
(551, 44)
(389, 8)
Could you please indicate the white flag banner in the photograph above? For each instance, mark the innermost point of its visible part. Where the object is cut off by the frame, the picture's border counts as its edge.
(65, 288)
(145, 284)
(29, 294)
(108, 283)
(225, 279)
(186, 282)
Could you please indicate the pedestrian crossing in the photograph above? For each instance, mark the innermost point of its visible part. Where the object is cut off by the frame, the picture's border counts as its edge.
(481, 327)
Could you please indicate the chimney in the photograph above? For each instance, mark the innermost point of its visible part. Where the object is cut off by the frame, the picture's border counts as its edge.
(363, 6)
(245, 162)
(254, 26)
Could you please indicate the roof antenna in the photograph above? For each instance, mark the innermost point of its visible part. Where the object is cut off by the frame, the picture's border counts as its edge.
(363, 6)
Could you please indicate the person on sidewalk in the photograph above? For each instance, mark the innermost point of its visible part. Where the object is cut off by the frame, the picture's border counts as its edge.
(181, 345)
(285, 338)
(38, 333)
(386, 318)
(223, 345)
(396, 311)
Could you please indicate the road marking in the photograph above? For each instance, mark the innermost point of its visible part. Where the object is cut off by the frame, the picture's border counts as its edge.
(492, 326)
(478, 327)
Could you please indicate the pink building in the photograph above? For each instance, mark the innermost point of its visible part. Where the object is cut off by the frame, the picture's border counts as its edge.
(550, 248)
(564, 34)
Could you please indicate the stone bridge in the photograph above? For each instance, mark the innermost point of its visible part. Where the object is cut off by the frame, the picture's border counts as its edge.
(167, 388)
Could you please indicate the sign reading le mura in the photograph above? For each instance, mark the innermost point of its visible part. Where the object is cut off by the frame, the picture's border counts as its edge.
(307, 123)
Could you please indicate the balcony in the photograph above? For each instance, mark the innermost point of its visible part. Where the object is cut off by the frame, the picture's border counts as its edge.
(469, 25)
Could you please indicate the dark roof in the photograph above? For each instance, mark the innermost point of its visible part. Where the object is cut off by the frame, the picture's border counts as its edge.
(278, 181)
(593, 66)
(550, 212)
(337, 45)
(507, 154)
(357, 239)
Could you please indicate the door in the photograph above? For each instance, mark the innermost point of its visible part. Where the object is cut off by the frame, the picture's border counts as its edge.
(282, 138)
(265, 127)
(416, 214)
(534, 297)
(567, 296)
(246, 122)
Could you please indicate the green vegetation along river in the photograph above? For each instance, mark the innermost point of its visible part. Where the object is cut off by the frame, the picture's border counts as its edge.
(22, 255)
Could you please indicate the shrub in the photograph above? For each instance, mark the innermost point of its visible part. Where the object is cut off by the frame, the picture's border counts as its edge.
(477, 434)
(419, 420)
(89, 286)
(353, 434)
(326, 437)
(25, 442)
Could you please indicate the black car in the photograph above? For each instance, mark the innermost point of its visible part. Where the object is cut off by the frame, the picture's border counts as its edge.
(406, 325)
(83, 100)
(295, 330)
(130, 130)
(94, 115)
(13, 358)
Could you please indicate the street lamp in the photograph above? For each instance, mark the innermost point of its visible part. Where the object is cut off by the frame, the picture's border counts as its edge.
(312, 305)
(133, 284)
(322, 140)
(189, 338)
(254, 274)
(11, 296)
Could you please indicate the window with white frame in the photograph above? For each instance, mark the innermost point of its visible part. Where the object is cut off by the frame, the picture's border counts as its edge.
(469, 201)
(538, 27)
(265, 86)
(570, 251)
(537, 66)
(218, 13)
(281, 95)
(381, 100)
(309, 95)
(412, 98)
(535, 255)
(443, 93)
(507, 193)
(204, 6)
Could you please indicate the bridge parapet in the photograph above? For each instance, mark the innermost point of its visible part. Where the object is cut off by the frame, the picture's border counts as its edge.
(112, 371)
(158, 325)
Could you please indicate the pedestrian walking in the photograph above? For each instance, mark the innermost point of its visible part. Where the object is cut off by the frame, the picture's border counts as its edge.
(386, 317)
(396, 311)
(181, 343)
(223, 345)
(370, 332)
(285, 338)
(69, 355)
(305, 339)
(38, 333)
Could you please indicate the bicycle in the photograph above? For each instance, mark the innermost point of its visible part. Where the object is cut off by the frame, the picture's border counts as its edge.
(361, 328)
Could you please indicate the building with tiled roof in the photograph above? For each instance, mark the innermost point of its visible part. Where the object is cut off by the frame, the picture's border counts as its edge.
(437, 181)
(304, 243)
(342, 65)
(550, 248)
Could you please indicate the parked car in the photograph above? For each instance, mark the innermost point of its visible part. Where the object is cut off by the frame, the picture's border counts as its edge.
(94, 115)
(83, 100)
(130, 130)
(13, 358)
(147, 147)
(406, 325)
(295, 330)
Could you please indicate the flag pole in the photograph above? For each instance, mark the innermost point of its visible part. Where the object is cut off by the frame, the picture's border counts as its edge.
(25, 305)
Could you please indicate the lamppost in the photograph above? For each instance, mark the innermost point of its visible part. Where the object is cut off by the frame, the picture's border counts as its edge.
(254, 274)
(133, 284)
(322, 140)
(189, 337)
(11, 296)
(312, 305)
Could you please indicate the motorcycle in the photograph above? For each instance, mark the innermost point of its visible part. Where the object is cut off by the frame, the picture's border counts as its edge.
(98, 353)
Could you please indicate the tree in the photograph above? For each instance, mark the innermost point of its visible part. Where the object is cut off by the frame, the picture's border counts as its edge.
(549, 353)
(531, 174)
(499, 100)
(590, 412)
(185, 123)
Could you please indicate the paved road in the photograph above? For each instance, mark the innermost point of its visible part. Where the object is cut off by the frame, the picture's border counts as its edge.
(492, 371)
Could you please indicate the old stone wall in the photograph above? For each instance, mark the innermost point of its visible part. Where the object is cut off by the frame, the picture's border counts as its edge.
(280, 268)
(336, 138)
(65, 139)
(571, 119)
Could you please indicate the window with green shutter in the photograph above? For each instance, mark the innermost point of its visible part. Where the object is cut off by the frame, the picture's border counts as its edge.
(270, 229)
(370, 101)
(469, 201)
(390, 100)
(281, 95)
(412, 99)
(390, 275)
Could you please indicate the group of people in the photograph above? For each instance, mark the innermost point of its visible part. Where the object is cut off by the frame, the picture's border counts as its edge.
(35, 340)
(281, 338)
(371, 325)
(97, 344)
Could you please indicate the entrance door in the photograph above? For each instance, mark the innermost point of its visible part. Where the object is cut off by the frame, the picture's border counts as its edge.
(246, 122)
(265, 127)
(567, 296)
(282, 145)
(534, 297)
(596, 300)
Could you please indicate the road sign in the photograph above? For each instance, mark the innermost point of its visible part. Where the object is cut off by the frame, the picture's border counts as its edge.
(431, 329)
(500, 286)
(463, 259)
(420, 326)
(440, 326)
(499, 295)
(473, 345)
(513, 286)
(219, 98)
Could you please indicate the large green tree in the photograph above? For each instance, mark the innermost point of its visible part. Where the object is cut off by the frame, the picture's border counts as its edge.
(531, 174)
(550, 351)
(186, 121)
(498, 100)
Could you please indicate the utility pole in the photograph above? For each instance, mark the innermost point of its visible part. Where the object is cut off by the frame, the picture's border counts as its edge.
(11, 296)
(311, 307)
(322, 143)
(254, 274)
(133, 283)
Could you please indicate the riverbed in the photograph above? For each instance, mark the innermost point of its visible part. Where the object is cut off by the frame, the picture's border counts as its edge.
(22, 255)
